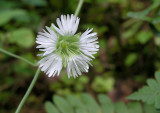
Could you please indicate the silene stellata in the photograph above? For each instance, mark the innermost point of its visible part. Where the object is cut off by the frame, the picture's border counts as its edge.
(62, 47)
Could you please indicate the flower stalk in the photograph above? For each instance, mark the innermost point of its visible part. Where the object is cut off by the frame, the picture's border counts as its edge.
(28, 91)
(79, 7)
(18, 57)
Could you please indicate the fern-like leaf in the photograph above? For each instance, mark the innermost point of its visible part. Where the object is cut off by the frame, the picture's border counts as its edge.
(87, 104)
(149, 94)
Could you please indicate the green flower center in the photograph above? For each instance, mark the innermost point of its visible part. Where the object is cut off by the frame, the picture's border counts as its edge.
(67, 46)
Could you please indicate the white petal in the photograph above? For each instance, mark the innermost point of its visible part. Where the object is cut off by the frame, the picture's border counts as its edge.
(88, 43)
(77, 64)
(60, 25)
(58, 30)
(68, 25)
(51, 64)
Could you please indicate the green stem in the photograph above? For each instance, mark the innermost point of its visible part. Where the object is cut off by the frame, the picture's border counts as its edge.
(79, 7)
(16, 56)
(28, 91)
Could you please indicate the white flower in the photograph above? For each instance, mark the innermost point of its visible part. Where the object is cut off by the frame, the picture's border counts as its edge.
(63, 48)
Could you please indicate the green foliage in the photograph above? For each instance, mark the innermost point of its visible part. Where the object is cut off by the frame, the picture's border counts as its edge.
(35, 2)
(90, 103)
(105, 101)
(149, 109)
(10, 14)
(50, 108)
(149, 94)
(142, 15)
(59, 102)
(135, 107)
(128, 51)
(133, 28)
(76, 104)
(85, 103)
(144, 36)
(130, 59)
(103, 84)
(120, 107)
(23, 37)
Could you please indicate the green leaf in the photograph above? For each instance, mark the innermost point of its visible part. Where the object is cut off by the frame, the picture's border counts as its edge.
(149, 94)
(149, 108)
(142, 15)
(8, 4)
(50, 108)
(144, 36)
(121, 108)
(156, 20)
(76, 104)
(9, 14)
(130, 59)
(90, 104)
(103, 84)
(36, 2)
(135, 107)
(62, 104)
(129, 33)
(157, 76)
(157, 101)
(6, 17)
(23, 37)
(152, 84)
(106, 104)
(73, 104)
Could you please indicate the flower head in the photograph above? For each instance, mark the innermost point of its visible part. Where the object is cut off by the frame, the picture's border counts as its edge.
(63, 48)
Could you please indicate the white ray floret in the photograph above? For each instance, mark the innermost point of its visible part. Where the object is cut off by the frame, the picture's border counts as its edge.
(64, 48)
(67, 25)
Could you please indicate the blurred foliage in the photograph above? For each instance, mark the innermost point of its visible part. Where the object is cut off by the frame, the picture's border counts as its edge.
(149, 94)
(84, 103)
(128, 32)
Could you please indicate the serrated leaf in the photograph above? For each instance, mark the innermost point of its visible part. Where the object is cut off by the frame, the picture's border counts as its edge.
(23, 37)
(90, 104)
(76, 104)
(143, 94)
(149, 94)
(50, 108)
(152, 84)
(62, 104)
(121, 108)
(106, 104)
(135, 107)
